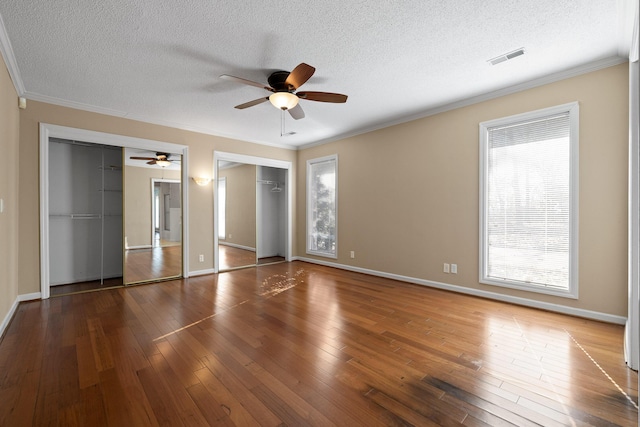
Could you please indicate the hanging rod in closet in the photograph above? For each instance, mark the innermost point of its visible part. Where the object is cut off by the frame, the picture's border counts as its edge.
(77, 216)
(263, 181)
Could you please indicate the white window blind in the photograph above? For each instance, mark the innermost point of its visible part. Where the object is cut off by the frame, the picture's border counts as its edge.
(528, 192)
(322, 202)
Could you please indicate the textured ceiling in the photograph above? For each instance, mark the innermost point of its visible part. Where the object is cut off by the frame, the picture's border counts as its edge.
(160, 62)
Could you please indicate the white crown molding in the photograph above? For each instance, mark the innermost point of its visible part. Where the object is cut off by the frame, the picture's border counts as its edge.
(10, 59)
(140, 118)
(541, 81)
(571, 311)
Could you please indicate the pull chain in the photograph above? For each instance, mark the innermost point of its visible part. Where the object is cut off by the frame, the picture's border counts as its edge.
(282, 123)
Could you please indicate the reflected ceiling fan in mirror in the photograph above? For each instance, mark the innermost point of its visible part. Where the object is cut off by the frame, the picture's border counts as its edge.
(161, 159)
(284, 86)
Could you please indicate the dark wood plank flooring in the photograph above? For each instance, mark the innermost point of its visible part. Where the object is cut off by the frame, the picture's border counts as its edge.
(156, 263)
(141, 265)
(231, 257)
(298, 344)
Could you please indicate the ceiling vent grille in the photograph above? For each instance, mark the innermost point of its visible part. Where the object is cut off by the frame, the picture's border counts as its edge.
(506, 56)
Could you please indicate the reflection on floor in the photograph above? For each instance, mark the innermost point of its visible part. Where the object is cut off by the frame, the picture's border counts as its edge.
(151, 264)
(140, 265)
(231, 258)
(299, 344)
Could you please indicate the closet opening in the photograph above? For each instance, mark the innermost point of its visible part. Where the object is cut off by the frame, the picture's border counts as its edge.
(97, 224)
(252, 211)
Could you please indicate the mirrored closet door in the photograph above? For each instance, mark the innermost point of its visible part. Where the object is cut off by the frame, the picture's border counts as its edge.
(237, 215)
(152, 216)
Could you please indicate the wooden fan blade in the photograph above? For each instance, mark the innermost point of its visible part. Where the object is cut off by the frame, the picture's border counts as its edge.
(296, 112)
(300, 75)
(152, 162)
(245, 81)
(142, 158)
(323, 96)
(251, 103)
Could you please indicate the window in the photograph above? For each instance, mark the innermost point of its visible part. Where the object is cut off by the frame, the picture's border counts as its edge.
(322, 206)
(529, 201)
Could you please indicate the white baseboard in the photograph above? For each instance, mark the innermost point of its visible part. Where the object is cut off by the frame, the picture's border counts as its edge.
(201, 272)
(588, 314)
(139, 247)
(14, 307)
(8, 317)
(29, 297)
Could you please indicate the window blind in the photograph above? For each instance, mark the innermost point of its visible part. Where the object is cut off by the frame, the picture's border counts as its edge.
(528, 202)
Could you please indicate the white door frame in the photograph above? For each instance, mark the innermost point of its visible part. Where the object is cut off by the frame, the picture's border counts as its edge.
(258, 161)
(55, 131)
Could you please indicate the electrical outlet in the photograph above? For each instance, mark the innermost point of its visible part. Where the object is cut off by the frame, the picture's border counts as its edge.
(201, 258)
(454, 268)
(353, 254)
(446, 267)
(229, 235)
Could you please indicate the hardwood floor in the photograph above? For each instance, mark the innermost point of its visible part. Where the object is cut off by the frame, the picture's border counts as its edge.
(232, 257)
(298, 344)
(141, 265)
(155, 263)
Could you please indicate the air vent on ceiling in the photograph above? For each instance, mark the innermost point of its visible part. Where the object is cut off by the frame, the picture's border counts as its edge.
(506, 56)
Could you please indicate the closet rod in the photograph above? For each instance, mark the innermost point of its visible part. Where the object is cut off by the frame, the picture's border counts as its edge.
(78, 216)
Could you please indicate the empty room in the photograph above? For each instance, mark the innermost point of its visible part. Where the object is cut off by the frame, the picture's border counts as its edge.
(319, 213)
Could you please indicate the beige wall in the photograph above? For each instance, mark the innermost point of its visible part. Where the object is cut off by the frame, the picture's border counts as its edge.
(408, 194)
(201, 148)
(137, 202)
(241, 205)
(9, 127)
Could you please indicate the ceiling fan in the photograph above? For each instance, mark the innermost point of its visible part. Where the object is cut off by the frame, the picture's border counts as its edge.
(161, 159)
(284, 85)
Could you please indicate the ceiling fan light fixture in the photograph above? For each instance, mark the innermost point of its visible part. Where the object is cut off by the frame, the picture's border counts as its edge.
(163, 163)
(283, 100)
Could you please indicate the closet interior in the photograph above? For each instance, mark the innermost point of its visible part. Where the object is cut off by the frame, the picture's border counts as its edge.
(85, 213)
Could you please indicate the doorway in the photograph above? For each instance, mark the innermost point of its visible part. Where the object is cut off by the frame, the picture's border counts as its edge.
(166, 213)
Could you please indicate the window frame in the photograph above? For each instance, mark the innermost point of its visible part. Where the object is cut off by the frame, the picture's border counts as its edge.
(573, 110)
(310, 164)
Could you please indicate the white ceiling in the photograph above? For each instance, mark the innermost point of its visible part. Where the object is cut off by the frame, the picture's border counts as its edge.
(160, 62)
